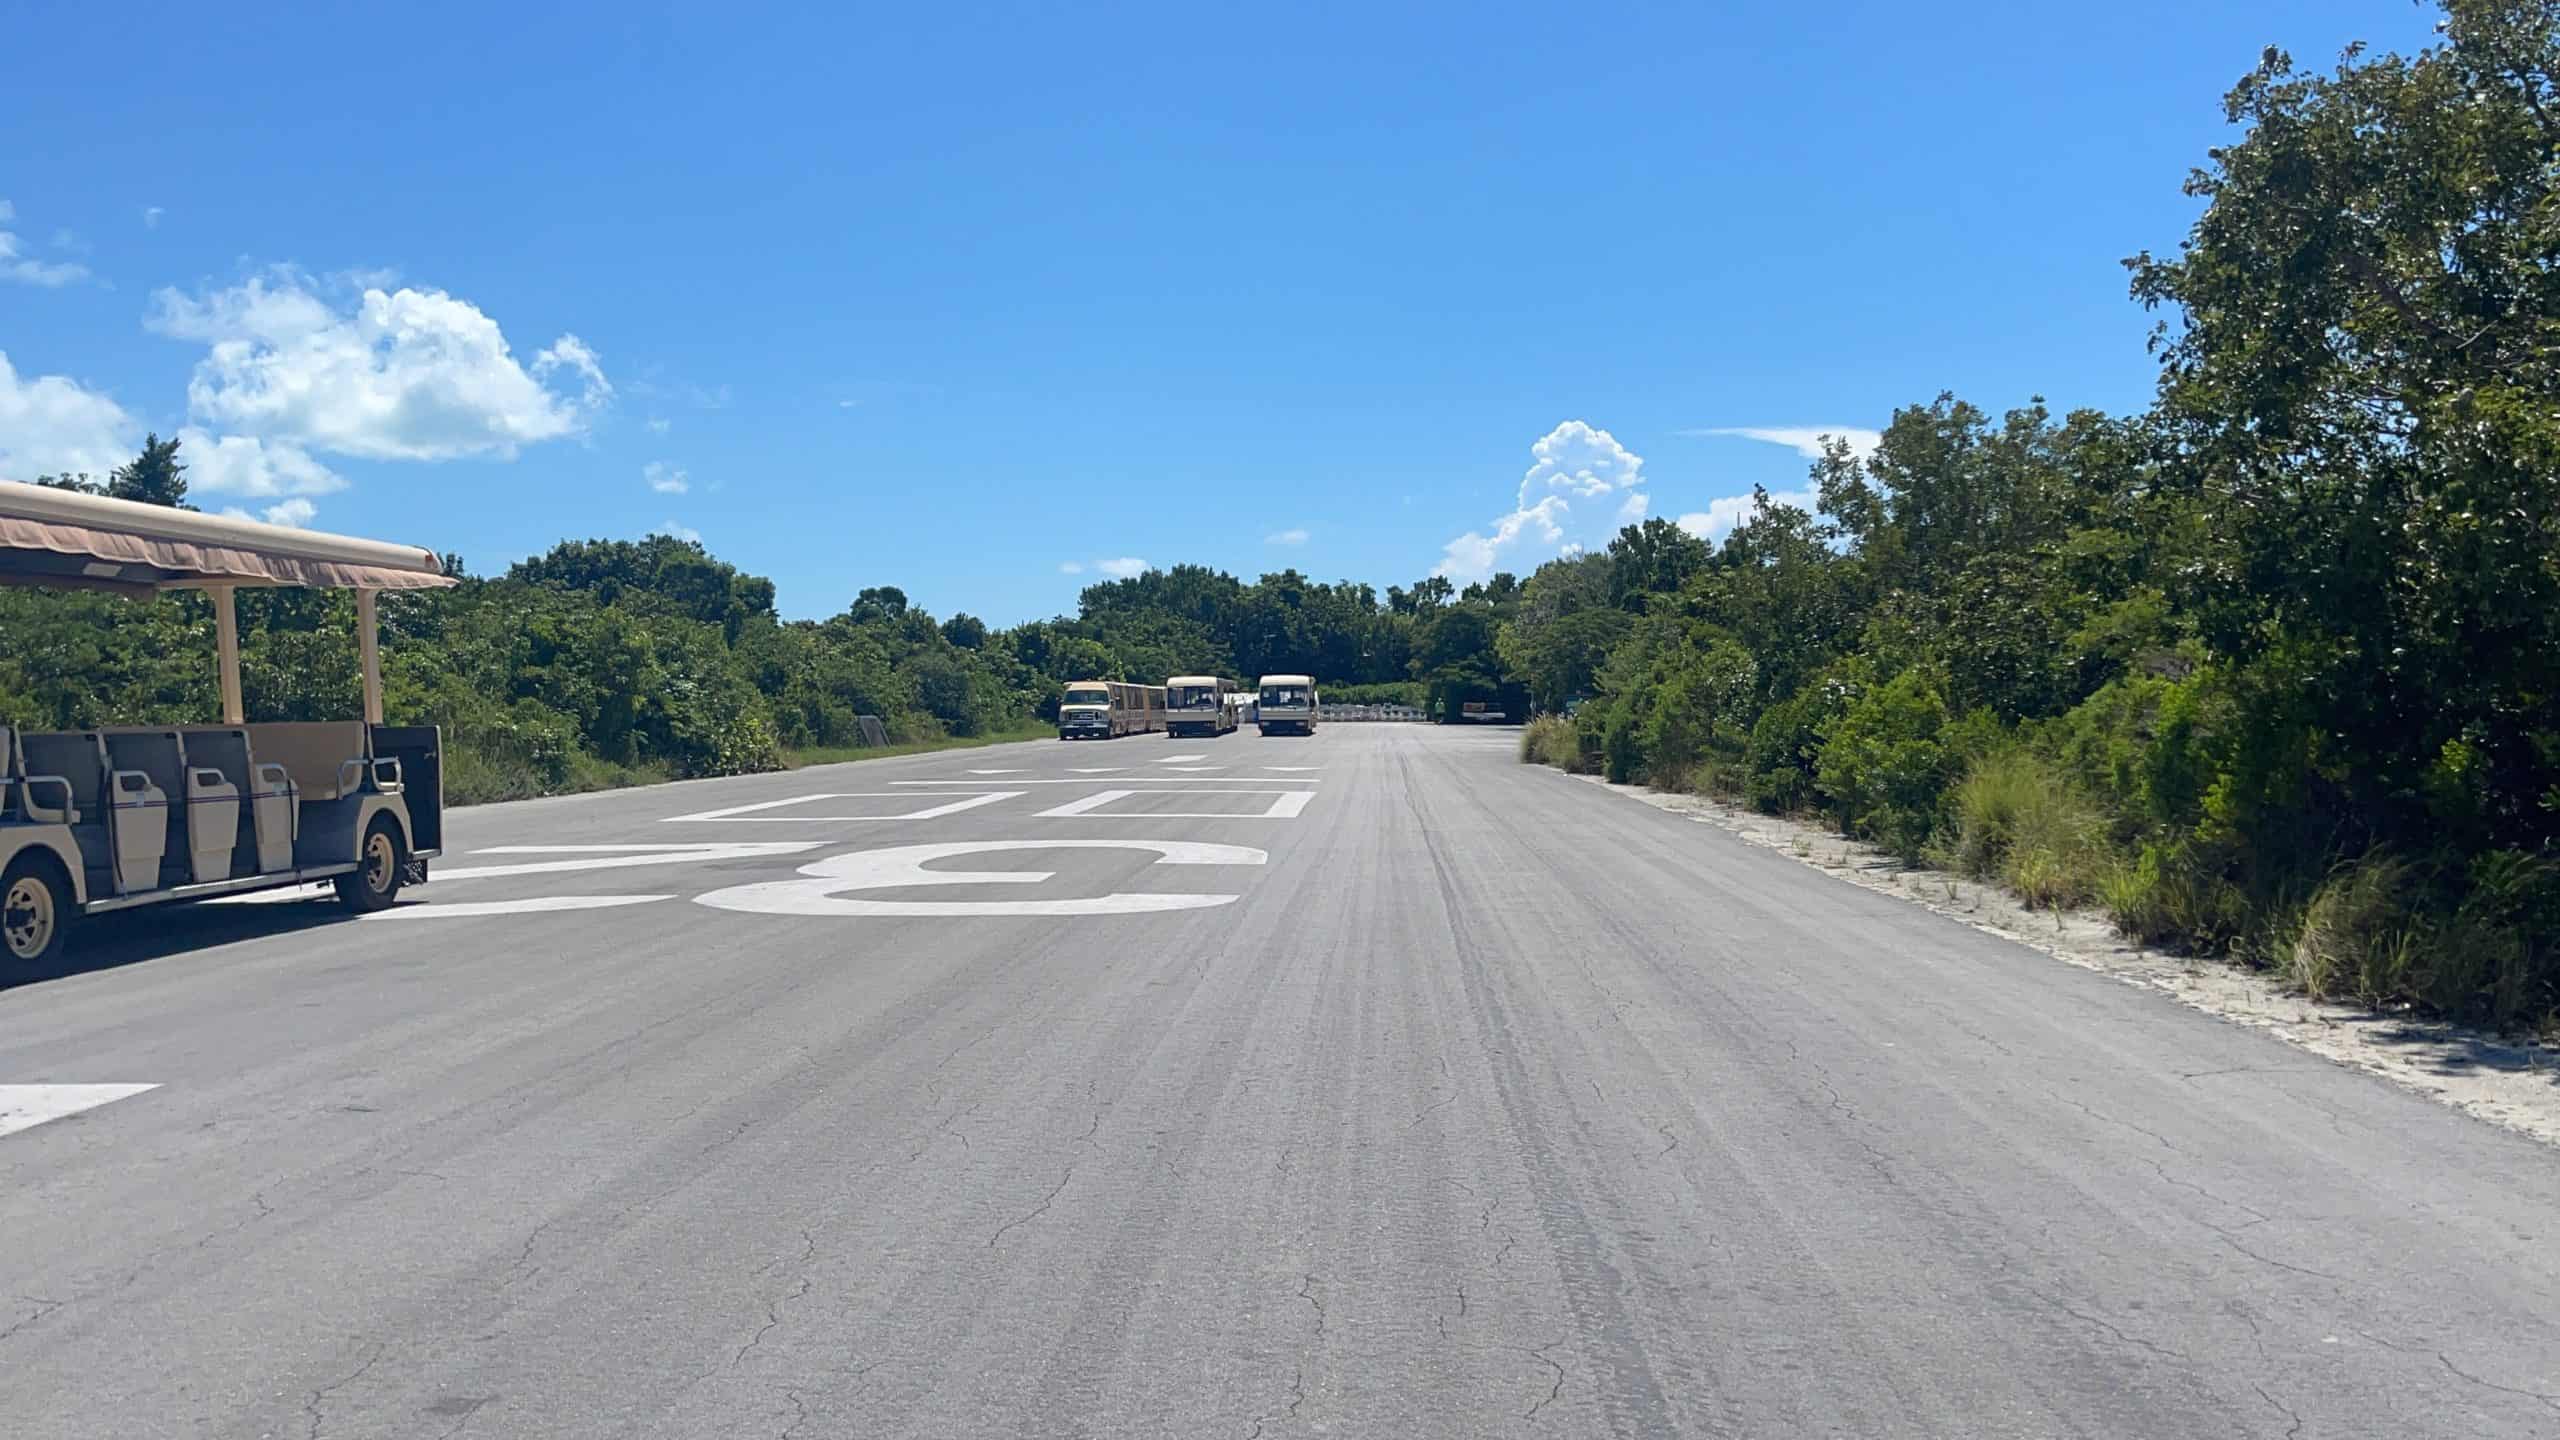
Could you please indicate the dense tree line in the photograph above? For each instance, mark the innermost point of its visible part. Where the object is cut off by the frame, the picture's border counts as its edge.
(2272, 668)
(610, 661)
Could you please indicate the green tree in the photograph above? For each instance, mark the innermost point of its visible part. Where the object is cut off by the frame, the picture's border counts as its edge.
(154, 477)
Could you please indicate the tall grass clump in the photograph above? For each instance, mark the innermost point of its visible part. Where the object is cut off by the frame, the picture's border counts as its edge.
(1551, 740)
(2355, 938)
(2019, 821)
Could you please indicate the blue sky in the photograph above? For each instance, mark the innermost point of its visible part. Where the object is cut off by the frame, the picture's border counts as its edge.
(952, 298)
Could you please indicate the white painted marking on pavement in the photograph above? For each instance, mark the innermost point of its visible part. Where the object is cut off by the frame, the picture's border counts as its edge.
(434, 911)
(995, 772)
(1285, 805)
(1092, 801)
(1178, 759)
(1292, 767)
(903, 865)
(642, 855)
(744, 814)
(1137, 780)
(25, 1106)
(1088, 770)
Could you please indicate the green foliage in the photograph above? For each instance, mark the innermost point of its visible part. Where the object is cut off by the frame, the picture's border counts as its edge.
(1552, 740)
(2017, 819)
(1889, 756)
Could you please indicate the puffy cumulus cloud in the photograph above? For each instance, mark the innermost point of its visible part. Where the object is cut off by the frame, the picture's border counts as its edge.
(407, 374)
(259, 469)
(679, 532)
(1286, 537)
(1126, 567)
(1805, 440)
(1722, 514)
(666, 479)
(51, 424)
(1574, 461)
(16, 264)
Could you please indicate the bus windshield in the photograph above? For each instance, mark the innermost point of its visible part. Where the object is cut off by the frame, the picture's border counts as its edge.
(1087, 695)
(1194, 697)
(1285, 695)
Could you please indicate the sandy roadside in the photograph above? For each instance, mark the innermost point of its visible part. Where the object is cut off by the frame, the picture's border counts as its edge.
(2516, 1086)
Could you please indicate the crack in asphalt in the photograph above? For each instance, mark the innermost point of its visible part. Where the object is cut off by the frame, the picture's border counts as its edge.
(2101, 1322)
(2282, 1409)
(1036, 1211)
(1306, 1292)
(1555, 1389)
(2547, 1399)
(43, 1306)
(312, 1404)
(1443, 1103)
(1297, 1397)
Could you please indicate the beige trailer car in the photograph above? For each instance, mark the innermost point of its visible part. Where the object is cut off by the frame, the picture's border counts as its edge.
(93, 821)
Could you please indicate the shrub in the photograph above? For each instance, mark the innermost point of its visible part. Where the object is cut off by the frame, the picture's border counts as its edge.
(1888, 758)
(1621, 752)
(1781, 757)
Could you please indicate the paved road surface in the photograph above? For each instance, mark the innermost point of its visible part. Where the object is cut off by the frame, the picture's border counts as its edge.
(1487, 1104)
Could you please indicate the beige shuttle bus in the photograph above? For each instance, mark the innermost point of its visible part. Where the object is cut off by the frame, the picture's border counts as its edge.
(1286, 705)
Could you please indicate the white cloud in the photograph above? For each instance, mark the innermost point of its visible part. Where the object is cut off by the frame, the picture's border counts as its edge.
(151, 217)
(659, 425)
(1574, 461)
(570, 352)
(295, 513)
(406, 375)
(1285, 537)
(246, 465)
(1070, 567)
(50, 424)
(1125, 567)
(664, 478)
(14, 265)
(1722, 514)
(1805, 440)
(1633, 507)
(679, 532)
(1473, 556)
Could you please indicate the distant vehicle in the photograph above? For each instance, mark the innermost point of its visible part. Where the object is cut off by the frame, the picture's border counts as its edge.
(93, 821)
(1198, 705)
(1287, 703)
(1482, 710)
(1104, 709)
(1248, 707)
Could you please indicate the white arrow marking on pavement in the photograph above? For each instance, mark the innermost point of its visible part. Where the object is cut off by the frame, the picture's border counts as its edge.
(745, 814)
(25, 1106)
(901, 866)
(605, 857)
(538, 903)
